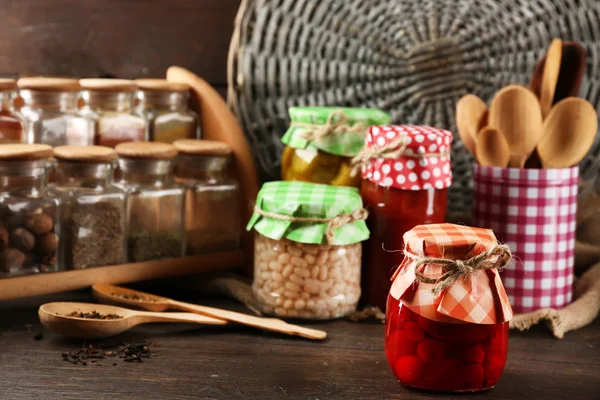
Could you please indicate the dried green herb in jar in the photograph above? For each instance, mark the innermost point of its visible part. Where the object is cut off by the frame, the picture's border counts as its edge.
(147, 245)
(96, 235)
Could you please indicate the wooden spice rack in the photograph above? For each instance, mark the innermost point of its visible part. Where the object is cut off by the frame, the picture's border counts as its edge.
(57, 282)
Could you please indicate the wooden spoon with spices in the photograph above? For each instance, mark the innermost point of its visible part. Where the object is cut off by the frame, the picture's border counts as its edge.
(98, 321)
(118, 295)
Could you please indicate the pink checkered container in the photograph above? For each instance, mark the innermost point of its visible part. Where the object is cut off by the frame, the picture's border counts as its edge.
(534, 212)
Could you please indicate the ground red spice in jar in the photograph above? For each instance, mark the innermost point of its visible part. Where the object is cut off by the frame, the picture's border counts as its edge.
(406, 175)
(447, 312)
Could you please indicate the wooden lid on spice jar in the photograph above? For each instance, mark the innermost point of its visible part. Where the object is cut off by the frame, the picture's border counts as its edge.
(146, 150)
(108, 85)
(199, 147)
(7, 84)
(87, 154)
(161, 85)
(44, 84)
(24, 152)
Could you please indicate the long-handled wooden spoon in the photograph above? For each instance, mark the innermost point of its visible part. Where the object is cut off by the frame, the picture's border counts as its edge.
(470, 111)
(545, 76)
(570, 130)
(572, 69)
(57, 317)
(119, 295)
(492, 149)
(515, 111)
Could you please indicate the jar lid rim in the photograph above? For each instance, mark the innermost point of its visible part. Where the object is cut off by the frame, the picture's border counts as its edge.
(91, 154)
(24, 152)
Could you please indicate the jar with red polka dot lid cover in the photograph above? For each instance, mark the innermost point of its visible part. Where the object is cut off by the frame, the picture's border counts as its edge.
(405, 178)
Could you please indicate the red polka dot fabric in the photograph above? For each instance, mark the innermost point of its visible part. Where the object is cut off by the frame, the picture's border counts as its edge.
(425, 163)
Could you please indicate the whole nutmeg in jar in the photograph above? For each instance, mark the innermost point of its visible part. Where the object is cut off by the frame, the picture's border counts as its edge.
(308, 251)
(448, 313)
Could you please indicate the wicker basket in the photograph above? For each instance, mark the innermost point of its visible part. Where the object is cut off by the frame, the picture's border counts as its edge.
(411, 58)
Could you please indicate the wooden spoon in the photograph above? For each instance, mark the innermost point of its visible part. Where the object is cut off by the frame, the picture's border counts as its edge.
(570, 77)
(55, 316)
(515, 111)
(549, 76)
(470, 111)
(570, 130)
(492, 149)
(118, 295)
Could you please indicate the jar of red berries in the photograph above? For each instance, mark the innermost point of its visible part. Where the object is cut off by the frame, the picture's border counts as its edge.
(447, 311)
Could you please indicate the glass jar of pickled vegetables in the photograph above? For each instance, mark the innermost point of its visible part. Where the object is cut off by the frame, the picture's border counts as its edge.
(155, 225)
(406, 174)
(307, 249)
(109, 110)
(164, 106)
(447, 315)
(49, 112)
(202, 168)
(30, 232)
(11, 127)
(93, 210)
(321, 142)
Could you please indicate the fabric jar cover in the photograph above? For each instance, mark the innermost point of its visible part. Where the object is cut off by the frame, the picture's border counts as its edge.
(480, 298)
(338, 141)
(293, 199)
(424, 164)
(534, 212)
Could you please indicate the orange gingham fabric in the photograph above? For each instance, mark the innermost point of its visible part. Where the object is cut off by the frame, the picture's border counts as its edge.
(479, 299)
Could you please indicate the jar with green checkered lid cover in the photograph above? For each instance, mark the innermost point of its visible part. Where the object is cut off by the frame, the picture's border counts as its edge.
(308, 249)
(321, 142)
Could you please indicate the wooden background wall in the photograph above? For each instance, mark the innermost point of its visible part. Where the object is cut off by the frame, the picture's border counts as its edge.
(115, 38)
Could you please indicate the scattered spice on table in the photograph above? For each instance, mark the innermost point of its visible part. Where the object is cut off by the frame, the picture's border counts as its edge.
(129, 352)
(134, 297)
(147, 245)
(94, 315)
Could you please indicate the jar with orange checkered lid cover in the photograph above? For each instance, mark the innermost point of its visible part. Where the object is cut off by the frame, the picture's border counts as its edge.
(447, 312)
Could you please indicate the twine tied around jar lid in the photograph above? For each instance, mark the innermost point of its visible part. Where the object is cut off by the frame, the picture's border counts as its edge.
(332, 223)
(337, 122)
(496, 257)
(393, 150)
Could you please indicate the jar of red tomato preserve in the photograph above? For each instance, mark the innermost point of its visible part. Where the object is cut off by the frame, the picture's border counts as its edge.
(406, 174)
(447, 311)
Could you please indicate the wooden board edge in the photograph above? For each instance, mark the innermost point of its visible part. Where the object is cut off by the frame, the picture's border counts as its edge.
(58, 282)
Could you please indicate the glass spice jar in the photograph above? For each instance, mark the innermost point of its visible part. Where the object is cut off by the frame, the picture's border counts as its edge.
(109, 106)
(93, 210)
(307, 249)
(447, 326)
(212, 198)
(49, 112)
(154, 202)
(321, 142)
(164, 106)
(29, 215)
(406, 174)
(11, 127)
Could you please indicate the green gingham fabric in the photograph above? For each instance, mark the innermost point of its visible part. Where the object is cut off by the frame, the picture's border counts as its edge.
(301, 199)
(340, 144)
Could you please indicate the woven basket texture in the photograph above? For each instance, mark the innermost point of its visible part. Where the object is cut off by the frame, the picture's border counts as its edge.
(411, 58)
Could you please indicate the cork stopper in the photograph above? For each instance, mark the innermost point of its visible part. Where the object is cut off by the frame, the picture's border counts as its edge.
(87, 154)
(49, 84)
(7, 84)
(161, 85)
(146, 150)
(200, 147)
(108, 85)
(24, 152)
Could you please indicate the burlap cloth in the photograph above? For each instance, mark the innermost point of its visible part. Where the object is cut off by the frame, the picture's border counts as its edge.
(582, 311)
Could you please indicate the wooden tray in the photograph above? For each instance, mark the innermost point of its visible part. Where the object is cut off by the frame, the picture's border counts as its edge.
(57, 282)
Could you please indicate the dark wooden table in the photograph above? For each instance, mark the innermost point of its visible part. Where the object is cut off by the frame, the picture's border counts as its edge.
(239, 363)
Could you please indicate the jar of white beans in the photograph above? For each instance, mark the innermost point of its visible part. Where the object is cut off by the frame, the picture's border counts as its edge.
(311, 281)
